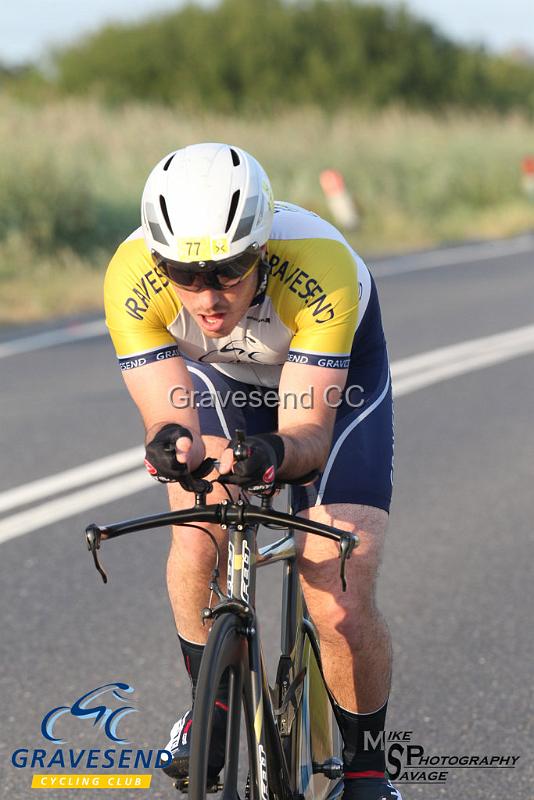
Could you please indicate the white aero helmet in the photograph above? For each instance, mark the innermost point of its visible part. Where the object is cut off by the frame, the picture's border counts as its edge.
(205, 203)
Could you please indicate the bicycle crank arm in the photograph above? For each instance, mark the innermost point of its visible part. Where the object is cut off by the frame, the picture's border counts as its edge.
(212, 787)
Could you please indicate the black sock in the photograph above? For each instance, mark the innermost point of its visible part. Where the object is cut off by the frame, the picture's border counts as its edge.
(192, 653)
(363, 750)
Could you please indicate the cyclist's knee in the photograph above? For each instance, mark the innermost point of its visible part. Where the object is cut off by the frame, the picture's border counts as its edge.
(193, 547)
(319, 557)
(343, 621)
(336, 612)
(191, 543)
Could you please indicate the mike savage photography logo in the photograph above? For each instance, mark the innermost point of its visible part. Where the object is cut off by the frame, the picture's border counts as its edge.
(409, 762)
(103, 708)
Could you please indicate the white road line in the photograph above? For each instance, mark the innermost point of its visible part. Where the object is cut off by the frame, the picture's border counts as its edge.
(71, 333)
(453, 256)
(425, 369)
(78, 476)
(409, 375)
(55, 510)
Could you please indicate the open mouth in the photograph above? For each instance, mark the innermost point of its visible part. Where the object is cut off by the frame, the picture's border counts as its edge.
(213, 322)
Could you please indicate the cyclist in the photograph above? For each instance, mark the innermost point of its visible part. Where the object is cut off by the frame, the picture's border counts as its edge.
(228, 310)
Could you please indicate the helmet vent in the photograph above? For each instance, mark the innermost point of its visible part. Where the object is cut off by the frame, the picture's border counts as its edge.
(236, 161)
(233, 209)
(165, 213)
(168, 163)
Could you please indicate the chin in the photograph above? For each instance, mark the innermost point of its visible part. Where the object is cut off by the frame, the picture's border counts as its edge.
(215, 335)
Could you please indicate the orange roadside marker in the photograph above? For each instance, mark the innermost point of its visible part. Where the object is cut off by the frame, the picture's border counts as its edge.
(341, 204)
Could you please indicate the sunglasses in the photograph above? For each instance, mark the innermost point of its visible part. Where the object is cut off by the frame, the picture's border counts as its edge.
(199, 275)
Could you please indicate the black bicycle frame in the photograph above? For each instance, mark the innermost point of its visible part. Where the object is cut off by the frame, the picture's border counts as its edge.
(243, 559)
(280, 741)
(299, 644)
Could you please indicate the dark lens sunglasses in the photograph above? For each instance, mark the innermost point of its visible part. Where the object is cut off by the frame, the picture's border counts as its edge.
(199, 275)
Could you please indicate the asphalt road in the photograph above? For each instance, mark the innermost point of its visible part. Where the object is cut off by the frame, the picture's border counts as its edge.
(456, 583)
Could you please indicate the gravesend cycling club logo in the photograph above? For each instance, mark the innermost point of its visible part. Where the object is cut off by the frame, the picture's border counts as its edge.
(106, 717)
(103, 708)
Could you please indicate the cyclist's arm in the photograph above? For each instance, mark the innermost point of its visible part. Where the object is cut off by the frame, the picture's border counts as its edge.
(152, 387)
(306, 425)
(139, 309)
(319, 353)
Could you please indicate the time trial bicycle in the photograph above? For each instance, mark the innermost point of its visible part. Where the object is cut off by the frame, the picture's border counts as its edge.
(293, 739)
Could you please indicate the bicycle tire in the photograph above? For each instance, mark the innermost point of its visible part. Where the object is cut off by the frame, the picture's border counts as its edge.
(226, 649)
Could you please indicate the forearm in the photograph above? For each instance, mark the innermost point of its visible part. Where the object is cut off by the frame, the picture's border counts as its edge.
(162, 393)
(306, 449)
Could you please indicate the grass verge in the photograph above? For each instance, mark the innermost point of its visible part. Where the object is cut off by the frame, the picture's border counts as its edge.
(72, 172)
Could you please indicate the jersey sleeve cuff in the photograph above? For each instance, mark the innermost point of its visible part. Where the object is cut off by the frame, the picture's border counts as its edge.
(148, 357)
(329, 360)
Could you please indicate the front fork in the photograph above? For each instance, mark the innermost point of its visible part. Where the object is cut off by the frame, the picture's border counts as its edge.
(270, 777)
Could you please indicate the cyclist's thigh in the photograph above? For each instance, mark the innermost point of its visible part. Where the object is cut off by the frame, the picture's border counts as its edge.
(359, 469)
(225, 404)
(318, 558)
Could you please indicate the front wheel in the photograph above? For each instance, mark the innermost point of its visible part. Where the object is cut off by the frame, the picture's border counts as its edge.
(226, 649)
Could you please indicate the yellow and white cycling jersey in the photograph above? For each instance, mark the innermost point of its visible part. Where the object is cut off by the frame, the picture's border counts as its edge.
(317, 292)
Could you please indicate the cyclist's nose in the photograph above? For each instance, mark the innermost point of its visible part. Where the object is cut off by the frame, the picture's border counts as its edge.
(209, 299)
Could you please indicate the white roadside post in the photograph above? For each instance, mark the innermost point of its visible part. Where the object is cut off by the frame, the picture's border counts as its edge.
(340, 203)
(527, 175)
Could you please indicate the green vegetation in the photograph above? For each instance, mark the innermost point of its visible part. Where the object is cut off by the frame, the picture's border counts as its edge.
(71, 175)
(252, 55)
(428, 135)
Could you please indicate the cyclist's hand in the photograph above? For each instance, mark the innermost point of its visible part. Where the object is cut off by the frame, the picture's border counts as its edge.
(259, 458)
(167, 455)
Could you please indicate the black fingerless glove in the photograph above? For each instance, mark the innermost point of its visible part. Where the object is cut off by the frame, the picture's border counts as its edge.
(160, 458)
(264, 455)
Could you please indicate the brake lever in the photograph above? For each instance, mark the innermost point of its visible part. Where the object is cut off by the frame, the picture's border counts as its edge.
(241, 451)
(93, 535)
(347, 543)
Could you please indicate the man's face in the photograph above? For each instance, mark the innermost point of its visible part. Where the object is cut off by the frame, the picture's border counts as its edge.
(217, 312)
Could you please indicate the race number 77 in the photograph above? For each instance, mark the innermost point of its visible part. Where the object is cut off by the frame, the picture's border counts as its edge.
(193, 248)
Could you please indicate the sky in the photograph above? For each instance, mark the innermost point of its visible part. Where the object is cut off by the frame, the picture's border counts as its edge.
(29, 27)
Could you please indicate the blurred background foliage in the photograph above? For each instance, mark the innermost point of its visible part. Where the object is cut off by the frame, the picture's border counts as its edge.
(263, 54)
(428, 134)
